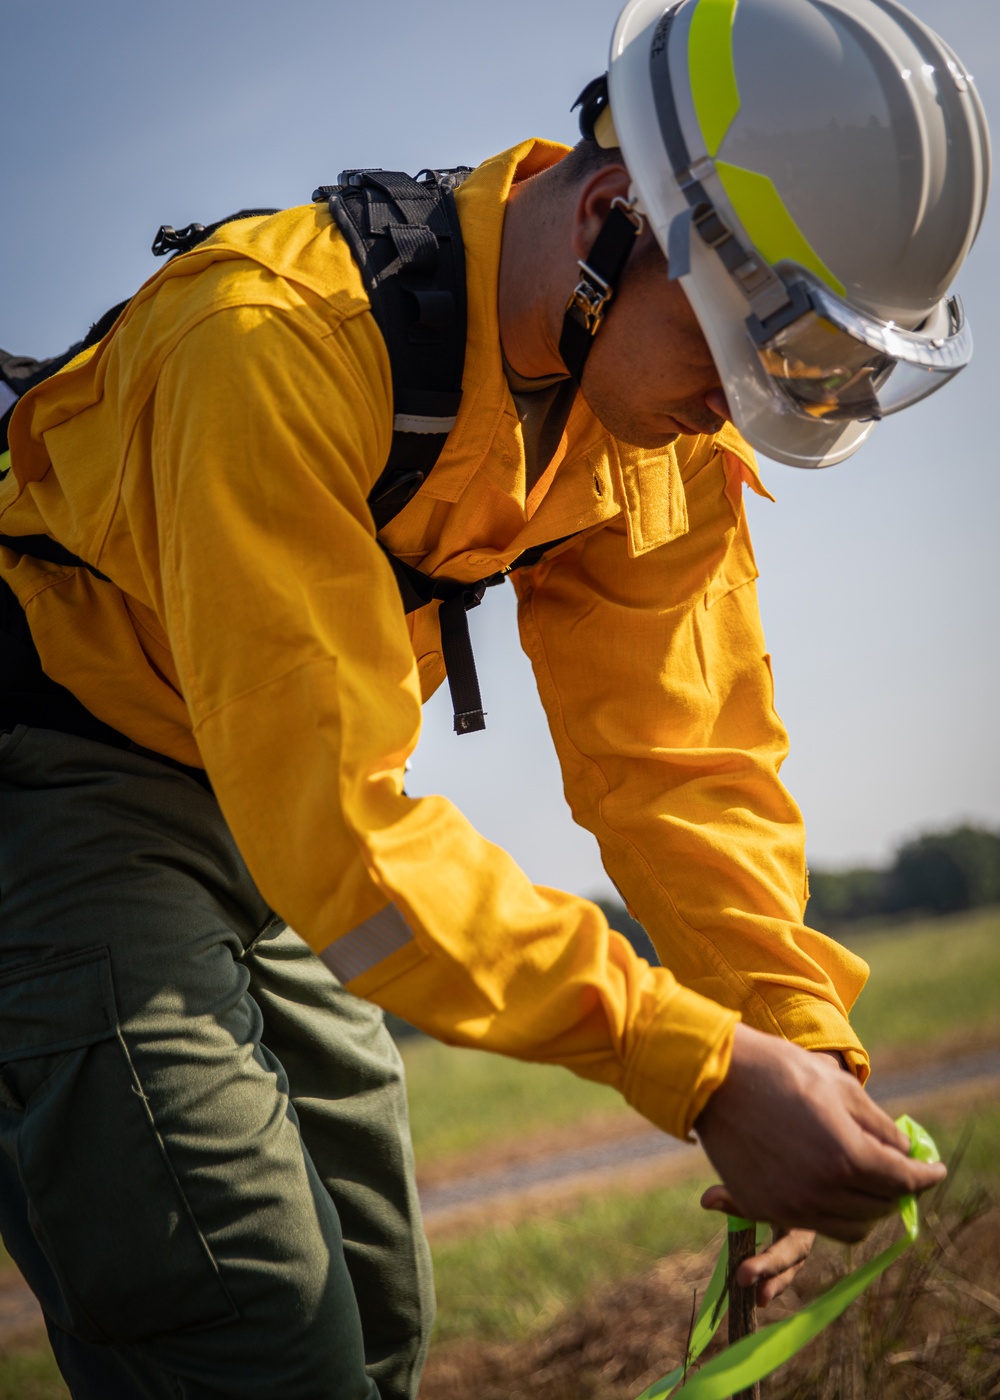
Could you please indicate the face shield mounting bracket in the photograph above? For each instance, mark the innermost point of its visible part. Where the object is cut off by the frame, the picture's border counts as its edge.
(763, 328)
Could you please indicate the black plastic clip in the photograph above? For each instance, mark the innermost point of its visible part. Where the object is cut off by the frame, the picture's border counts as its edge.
(171, 240)
(356, 174)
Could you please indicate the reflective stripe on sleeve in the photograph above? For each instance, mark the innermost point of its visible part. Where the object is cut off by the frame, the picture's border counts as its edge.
(367, 944)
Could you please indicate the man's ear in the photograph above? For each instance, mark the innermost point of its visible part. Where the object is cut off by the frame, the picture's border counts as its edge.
(594, 204)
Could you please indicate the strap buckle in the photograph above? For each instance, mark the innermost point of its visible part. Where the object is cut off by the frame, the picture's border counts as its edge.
(589, 298)
(710, 226)
(176, 240)
(628, 208)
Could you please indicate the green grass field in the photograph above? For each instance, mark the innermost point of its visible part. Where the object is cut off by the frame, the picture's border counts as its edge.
(462, 1099)
(933, 980)
(513, 1280)
(31, 1375)
(930, 981)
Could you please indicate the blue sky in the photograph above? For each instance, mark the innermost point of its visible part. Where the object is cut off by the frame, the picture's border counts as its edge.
(879, 586)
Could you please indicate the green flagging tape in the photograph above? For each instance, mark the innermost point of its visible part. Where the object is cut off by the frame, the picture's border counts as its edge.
(713, 74)
(769, 223)
(752, 1358)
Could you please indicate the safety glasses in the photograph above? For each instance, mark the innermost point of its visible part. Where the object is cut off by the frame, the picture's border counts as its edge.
(828, 361)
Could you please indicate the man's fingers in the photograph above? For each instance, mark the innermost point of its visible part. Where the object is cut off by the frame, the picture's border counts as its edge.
(874, 1121)
(788, 1251)
(881, 1170)
(773, 1269)
(719, 1198)
(774, 1287)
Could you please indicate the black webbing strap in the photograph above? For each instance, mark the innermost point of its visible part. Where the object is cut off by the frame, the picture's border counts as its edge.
(600, 274)
(459, 660)
(406, 239)
(42, 547)
(28, 696)
(457, 600)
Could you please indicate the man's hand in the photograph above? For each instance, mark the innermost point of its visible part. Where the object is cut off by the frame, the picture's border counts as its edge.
(771, 1269)
(799, 1143)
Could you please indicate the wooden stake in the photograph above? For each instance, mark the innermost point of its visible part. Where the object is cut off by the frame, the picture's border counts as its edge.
(742, 1301)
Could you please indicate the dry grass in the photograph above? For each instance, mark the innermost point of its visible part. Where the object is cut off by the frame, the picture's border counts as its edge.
(929, 1327)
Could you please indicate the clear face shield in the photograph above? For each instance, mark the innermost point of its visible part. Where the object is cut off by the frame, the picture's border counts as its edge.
(828, 362)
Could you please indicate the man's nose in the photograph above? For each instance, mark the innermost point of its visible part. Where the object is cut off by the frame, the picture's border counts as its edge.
(718, 403)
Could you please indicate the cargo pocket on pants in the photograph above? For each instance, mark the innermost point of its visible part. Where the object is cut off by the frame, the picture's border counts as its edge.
(103, 1200)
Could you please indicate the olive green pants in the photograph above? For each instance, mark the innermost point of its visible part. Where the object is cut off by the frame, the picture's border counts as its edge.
(205, 1165)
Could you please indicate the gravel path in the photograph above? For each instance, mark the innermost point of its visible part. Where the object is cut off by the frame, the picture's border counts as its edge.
(642, 1148)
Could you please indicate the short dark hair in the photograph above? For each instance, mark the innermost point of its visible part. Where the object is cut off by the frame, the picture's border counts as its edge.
(586, 159)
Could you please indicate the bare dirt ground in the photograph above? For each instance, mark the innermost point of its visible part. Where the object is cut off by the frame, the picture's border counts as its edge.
(929, 1328)
(20, 1317)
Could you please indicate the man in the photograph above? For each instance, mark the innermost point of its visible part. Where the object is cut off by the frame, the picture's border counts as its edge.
(205, 1170)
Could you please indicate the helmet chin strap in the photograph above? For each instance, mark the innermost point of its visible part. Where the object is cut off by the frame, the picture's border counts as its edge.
(600, 274)
(602, 270)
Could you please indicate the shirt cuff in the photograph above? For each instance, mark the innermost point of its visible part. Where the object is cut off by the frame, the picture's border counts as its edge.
(680, 1059)
(815, 1024)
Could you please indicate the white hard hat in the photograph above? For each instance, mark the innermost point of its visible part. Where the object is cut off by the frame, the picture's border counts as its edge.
(816, 172)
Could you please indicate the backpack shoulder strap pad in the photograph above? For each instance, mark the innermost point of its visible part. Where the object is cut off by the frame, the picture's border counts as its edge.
(405, 237)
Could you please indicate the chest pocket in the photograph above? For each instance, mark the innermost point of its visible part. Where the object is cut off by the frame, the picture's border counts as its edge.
(738, 568)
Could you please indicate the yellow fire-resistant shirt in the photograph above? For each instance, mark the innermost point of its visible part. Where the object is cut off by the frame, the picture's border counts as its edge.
(213, 457)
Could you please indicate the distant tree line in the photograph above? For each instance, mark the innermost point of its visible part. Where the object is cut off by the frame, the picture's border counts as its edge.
(622, 921)
(940, 873)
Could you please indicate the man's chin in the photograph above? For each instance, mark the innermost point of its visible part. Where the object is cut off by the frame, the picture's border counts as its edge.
(652, 435)
(654, 442)
(646, 438)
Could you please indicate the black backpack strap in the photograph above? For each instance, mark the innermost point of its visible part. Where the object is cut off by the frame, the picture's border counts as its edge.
(406, 239)
(457, 599)
(417, 589)
(21, 373)
(28, 696)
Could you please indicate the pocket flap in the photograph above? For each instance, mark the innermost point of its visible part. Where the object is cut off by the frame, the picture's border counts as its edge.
(58, 1004)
